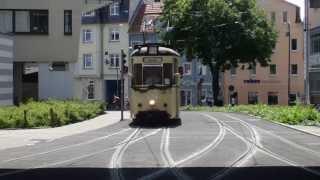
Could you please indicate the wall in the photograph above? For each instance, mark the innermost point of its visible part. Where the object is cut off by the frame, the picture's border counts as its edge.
(6, 70)
(53, 47)
(55, 84)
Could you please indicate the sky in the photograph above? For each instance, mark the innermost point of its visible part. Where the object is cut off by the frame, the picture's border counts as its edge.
(299, 3)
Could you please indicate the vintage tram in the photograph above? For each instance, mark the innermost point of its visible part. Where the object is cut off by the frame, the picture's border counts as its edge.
(154, 92)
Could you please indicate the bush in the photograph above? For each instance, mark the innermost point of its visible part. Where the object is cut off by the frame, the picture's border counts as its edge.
(51, 113)
(293, 115)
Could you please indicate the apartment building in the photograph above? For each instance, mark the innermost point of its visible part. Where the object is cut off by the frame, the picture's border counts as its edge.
(46, 35)
(314, 61)
(104, 33)
(283, 81)
(6, 69)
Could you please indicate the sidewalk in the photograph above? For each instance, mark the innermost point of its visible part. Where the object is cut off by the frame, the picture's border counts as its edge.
(314, 130)
(28, 137)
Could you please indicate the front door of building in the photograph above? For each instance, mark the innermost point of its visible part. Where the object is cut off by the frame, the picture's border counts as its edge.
(112, 89)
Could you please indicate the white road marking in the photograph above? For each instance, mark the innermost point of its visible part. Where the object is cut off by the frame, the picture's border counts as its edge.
(65, 147)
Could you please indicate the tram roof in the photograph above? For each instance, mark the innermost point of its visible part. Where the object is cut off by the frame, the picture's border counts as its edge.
(161, 51)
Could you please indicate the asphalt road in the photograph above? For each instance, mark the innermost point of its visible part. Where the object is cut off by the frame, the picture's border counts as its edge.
(205, 146)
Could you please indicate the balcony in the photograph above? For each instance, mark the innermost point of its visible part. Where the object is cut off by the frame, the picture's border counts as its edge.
(90, 5)
(314, 61)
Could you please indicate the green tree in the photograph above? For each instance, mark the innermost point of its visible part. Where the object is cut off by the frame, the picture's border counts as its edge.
(220, 33)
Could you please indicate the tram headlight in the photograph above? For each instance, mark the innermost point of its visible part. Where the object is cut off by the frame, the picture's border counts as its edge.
(152, 102)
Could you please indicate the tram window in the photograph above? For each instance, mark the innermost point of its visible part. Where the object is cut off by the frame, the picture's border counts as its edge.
(152, 75)
(137, 70)
(167, 73)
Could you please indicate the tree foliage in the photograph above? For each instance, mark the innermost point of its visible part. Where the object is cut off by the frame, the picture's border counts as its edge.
(221, 33)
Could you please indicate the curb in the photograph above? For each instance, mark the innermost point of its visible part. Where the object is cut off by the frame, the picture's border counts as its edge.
(285, 125)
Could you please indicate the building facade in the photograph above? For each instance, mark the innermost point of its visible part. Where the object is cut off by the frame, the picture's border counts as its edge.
(314, 61)
(46, 34)
(6, 69)
(283, 81)
(104, 33)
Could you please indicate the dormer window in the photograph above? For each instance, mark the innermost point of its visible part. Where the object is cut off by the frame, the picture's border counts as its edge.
(115, 9)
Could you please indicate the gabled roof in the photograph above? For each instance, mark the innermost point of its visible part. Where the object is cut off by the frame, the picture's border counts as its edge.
(145, 17)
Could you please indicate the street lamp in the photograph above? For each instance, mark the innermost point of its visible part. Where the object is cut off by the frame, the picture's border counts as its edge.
(307, 45)
(289, 61)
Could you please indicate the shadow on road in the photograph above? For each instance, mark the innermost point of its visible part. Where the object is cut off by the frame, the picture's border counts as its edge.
(155, 123)
(197, 173)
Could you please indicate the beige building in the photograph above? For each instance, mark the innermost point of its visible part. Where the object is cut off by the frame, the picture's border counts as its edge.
(281, 80)
(104, 33)
(46, 35)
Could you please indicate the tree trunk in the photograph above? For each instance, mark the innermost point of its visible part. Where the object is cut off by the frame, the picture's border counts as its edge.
(215, 83)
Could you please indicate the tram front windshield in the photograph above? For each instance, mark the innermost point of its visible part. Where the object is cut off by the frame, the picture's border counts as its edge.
(152, 75)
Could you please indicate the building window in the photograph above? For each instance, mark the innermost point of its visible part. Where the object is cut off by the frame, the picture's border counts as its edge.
(114, 34)
(273, 17)
(314, 4)
(6, 25)
(87, 61)
(115, 60)
(136, 43)
(294, 69)
(202, 70)
(285, 16)
(91, 87)
(187, 70)
(31, 21)
(294, 44)
(292, 98)
(58, 66)
(88, 14)
(115, 9)
(253, 98)
(186, 97)
(273, 69)
(315, 44)
(68, 22)
(87, 36)
(233, 71)
(253, 70)
(273, 98)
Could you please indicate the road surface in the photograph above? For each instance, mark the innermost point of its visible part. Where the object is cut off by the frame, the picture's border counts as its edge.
(209, 146)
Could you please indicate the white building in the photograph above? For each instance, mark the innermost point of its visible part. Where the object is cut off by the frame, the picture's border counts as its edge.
(104, 33)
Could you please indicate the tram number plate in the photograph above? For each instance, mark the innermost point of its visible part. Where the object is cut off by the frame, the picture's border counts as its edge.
(152, 60)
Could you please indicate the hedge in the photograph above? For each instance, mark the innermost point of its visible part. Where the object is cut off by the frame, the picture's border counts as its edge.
(293, 115)
(51, 113)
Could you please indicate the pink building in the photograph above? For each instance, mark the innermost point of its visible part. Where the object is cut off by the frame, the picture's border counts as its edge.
(283, 81)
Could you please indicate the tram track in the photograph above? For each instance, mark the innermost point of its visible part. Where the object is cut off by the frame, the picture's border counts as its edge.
(65, 147)
(77, 158)
(252, 141)
(192, 157)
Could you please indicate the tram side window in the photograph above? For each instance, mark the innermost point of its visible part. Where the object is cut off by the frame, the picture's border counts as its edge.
(137, 69)
(167, 74)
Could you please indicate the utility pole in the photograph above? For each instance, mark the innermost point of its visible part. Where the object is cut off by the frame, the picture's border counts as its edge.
(307, 45)
(289, 62)
(123, 62)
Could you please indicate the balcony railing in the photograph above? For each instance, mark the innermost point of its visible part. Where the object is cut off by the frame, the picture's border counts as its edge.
(314, 60)
(90, 5)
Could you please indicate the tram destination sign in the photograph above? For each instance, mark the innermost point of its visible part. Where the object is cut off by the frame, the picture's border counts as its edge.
(152, 60)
